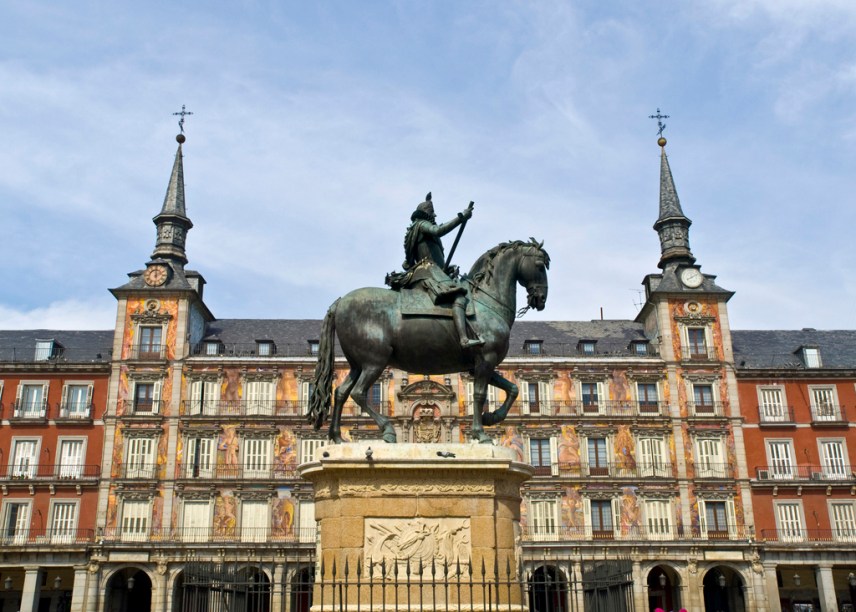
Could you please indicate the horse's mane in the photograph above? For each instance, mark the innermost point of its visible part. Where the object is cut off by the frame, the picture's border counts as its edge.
(483, 267)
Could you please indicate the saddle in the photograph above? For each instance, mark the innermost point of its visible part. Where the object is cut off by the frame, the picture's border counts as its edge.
(417, 302)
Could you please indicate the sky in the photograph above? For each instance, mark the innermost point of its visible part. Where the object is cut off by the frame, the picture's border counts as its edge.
(319, 126)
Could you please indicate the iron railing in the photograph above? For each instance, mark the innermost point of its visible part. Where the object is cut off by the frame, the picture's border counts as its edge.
(240, 350)
(821, 473)
(74, 411)
(254, 471)
(829, 413)
(706, 410)
(60, 471)
(584, 409)
(775, 414)
(699, 353)
(56, 536)
(666, 532)
(149, 352)
(29, 410)
(656, 469)
(142, 407)
(845, 535)
(213, 535)
(59, 354)
(713, 470)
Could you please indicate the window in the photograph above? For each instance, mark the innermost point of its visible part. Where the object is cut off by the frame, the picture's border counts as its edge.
(313, 347)
(306, 391)
(597, 457)
(150, 342)
(256, 455)
(536, 397)
(375, 396)
(25, 458)
(308, 448)
(139, 458)
(602, 517)
(591, 397)
(648, 398)
(265, 348)
(32, 400)
(195, 526)
(834, 459)
(306, 510)
(771, 405)
(716, 519)
(200, 458)
(260, 396)
(204, 397)
(811, 357)
(544, 518)
(587, 347)
(703, 399)
(16, 521)
(135, 520)
(658, 519)
(213, 348)
(70, 459)
(697, 342)
(824, 405)
(789, 521)
(652, 457)
(640, 349)
(76, 401)
(781, 459)
(147, 397)
(63, 522)
(709, 458)
(490, 400)
(541, 453)
(44, 350)
(842, 515)
(532, 347)
(254, 521)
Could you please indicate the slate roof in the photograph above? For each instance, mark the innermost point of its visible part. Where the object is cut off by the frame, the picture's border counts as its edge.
(73, 346)
(780, 348)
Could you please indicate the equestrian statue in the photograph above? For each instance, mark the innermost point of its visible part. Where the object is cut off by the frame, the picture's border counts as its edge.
(431, 321)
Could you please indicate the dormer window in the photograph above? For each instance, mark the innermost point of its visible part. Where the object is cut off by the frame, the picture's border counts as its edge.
(639, 347)
(811, 356)
(313, 347)
(587, 347)
(212, 347)
(265, 348)
(44, 350)
(533, 347)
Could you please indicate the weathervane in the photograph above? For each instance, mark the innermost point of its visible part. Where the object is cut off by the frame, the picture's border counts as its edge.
(660, 124)
(184, 113)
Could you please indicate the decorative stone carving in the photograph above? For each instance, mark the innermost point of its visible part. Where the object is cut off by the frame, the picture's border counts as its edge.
(442, 540)
(426, 424)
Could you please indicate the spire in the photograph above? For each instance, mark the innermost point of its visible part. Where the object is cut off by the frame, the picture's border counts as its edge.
(672, 225)
(172, 223)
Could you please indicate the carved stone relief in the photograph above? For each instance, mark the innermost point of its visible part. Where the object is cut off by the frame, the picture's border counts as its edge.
(419, 540)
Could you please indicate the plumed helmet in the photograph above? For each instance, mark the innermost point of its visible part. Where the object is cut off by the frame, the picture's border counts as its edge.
(425, 210)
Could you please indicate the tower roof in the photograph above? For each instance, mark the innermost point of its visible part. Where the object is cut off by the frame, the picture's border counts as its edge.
(172, 221)
(672, 225)
(670, 205)
(173, 202)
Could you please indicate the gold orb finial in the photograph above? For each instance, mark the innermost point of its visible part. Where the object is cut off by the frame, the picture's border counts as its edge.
(180, 138)
(661, 141)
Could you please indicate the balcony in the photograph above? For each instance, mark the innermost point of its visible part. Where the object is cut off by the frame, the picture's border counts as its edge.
(148, 352)
(256, 471)
(136, 470)
(59, 354)
(709, 410)
(810, 473)
(844, 535)
(661, 533)
(200, 536)
(72, 412)
(29, 411)
(776, 415)
(720, 471)
(60, 472)
(46, 536)
(828, 414)
(699, 353)
(659, 469)
(142, 408)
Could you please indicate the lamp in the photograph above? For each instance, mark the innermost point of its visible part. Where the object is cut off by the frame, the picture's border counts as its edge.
(662, 580)
(131, 582)
(797, 579)
(8, 583)
(721, 580)
(851, 579)
(57, 583)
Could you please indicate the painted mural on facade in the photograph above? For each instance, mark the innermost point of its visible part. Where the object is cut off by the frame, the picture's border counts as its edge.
(284, 451)
(282, 513)
(510, 438)
(137, 306)
(568, 447)
(625, 449)
(225, 514)
(573, 513)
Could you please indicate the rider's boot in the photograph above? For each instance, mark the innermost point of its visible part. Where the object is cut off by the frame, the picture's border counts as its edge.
(459, 315)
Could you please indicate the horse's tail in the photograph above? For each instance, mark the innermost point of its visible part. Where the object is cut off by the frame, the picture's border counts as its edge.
(319, 402)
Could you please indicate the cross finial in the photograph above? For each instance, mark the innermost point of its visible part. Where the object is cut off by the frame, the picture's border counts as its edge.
(659, 117)
(184, 113)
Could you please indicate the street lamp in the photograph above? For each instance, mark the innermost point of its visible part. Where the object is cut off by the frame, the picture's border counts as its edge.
(797, 579)
(851, 579)
(8, 583)
(721, 580)
(131, 582)
(662, 580)
(57, 583)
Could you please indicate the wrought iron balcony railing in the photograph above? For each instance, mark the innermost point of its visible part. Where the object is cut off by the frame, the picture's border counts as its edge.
(594, 409)
(221, 350)
(142, 407)
(148, 352)
(139, 470)
(29, 410)
(844, 534)
(49, 536)
(775, 414)
(699, 353)
(74, 411)
(26, 470)
(213, 535)
(253, 471)
(828, 414)
(706, 410)
(656, 469)
(58, 354)
(820, 473)
(663, 532)
(706, 469)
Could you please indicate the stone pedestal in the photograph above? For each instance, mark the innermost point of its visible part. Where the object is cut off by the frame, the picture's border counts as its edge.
(432, 523)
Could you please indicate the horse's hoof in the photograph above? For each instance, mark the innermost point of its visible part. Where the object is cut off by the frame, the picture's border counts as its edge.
(482, 438)
(389, 435)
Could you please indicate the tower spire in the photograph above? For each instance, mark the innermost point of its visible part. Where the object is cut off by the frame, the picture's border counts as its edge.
(672, 225)
(172, 222)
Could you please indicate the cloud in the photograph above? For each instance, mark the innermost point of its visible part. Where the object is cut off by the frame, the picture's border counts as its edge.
(66, 314)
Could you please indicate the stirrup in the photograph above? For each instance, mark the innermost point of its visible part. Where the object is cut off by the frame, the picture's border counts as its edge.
(471, 342)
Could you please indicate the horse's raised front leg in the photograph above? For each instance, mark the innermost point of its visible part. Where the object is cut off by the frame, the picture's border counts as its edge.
(334, 434)
(498, 416)
(360, 395)
(481, 375)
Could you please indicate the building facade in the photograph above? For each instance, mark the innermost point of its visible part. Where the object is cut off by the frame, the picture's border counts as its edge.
(716, 468)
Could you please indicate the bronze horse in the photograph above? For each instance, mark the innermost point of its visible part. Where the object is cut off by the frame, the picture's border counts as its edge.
(373, 334)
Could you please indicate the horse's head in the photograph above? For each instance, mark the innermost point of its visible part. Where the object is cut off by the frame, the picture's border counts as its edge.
(532, 273)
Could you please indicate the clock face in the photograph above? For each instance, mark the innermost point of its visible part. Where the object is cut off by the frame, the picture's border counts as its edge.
(692, 278)
(155, 276)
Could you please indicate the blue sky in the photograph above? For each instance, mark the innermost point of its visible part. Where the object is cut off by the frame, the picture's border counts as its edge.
(319, 126)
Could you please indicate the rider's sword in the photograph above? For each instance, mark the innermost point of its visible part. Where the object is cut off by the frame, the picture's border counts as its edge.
(457, 239)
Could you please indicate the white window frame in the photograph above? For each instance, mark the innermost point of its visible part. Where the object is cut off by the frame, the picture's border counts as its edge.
(25, 469)
(789, 533)
(156, 396)
(811, 357)
(206, 447)
(490, 400)
(204, 396)
(710, 464)
(306, 520)
(545, 397)
(23, 523)
(615, 517)
(584, 454)
(66, 406)
(137, 464)
(161, 350)
(66, 533)
(253, 512)
(834, 468)
(31, 410)
(544, 519)
(553, 448)
(843, 522)
(70, 470)
(136, 528)
(601, 397)
(659, 519)
(44, 349)
(781, 466)
(771, 412)
(639, 397)
(730, 516)
(256, 455)
(685, 339)
(652, 459)
(193, 532)
(309, 447)
(259, 396)
(824, 412)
